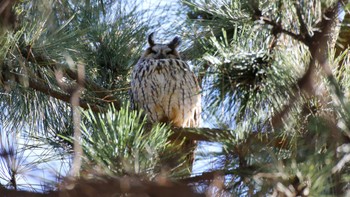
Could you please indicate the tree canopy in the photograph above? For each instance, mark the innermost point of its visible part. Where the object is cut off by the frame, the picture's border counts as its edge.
(275, 87)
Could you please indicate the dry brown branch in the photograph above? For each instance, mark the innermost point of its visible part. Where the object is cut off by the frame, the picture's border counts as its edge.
(107, 186)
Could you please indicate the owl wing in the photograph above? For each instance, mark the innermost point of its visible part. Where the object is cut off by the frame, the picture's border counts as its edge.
(184, 106)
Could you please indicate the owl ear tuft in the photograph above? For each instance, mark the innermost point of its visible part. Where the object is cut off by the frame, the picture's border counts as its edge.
(175, 43)
(150, 39)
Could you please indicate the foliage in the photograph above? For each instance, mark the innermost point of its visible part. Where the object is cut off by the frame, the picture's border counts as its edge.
(117, 142)
(274, 87)
(255, 59)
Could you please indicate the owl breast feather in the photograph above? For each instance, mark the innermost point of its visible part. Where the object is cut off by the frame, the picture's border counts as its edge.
(167, 90)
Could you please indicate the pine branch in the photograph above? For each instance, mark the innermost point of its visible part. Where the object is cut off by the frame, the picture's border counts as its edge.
(242, 171)
(101, 93)
(277, 28)
(318, 47)
(193, 133)
(303, 26)
(205, 176)
(343, 41)
(214, 135)
(43, 88)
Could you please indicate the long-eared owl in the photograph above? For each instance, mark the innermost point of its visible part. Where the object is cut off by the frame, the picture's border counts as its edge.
(164, 86)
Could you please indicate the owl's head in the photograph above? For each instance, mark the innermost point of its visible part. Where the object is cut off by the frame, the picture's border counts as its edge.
(162, 51)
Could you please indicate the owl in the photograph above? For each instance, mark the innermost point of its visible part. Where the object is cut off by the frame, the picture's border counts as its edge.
(164, 86)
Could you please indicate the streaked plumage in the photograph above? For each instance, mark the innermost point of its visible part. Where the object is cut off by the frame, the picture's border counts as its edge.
(164, 86)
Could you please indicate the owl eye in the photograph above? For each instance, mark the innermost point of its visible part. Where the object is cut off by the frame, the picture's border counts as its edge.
(150, 50)
(169, 52)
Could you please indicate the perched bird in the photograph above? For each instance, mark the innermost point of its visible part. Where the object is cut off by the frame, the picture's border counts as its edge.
(165, 87)
(167, 90)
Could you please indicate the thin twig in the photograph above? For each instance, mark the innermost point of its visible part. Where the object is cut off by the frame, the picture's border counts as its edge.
(303, 26)
(277, 27)
(78, 150)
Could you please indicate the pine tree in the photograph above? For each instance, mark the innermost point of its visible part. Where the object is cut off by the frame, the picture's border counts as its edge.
(275, 85)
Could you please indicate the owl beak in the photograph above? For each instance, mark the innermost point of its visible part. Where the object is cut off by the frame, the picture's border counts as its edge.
(161, 56)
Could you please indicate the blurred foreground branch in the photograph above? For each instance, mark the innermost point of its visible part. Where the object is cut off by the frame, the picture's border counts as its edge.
(107, 186)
